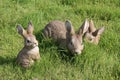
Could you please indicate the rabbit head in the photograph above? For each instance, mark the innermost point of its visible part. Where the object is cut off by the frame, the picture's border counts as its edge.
(93, 34)
(29, 39)
(74, 40)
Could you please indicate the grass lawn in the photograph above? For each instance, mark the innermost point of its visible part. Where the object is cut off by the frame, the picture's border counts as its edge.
(101, 62)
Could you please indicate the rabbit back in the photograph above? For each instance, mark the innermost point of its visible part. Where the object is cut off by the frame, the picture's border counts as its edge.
(56, 30)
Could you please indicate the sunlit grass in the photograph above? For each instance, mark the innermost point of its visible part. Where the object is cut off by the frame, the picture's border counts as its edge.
(101, 62)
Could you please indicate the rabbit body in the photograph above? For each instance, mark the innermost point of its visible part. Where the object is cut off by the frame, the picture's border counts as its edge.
(64, 34)
(93, 35)
(26, 57)
(30, 51)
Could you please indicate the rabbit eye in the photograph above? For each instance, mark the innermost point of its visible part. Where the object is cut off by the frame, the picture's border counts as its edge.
(28, 41)
(90, 39)
(71, 43)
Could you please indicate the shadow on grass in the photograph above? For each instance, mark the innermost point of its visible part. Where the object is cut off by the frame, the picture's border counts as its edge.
(44, 43)
(7, 60)
(47, 43)
(68, 57)
(116, 71)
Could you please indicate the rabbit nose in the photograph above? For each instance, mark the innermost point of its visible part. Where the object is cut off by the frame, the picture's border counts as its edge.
(36, 44)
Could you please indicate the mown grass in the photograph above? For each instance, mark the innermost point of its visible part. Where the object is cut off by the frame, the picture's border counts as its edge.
(101, 62)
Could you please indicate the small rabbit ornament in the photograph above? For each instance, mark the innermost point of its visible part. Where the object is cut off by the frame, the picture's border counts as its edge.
(30, 51)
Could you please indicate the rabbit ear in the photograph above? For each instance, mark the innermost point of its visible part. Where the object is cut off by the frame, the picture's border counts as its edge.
(21, 31)
(98, 31)
(69, 27)
(30, 28)
(101, 30)
(84, 27)
(92, 27)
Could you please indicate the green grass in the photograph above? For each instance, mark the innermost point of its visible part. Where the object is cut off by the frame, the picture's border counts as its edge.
(101, 62)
